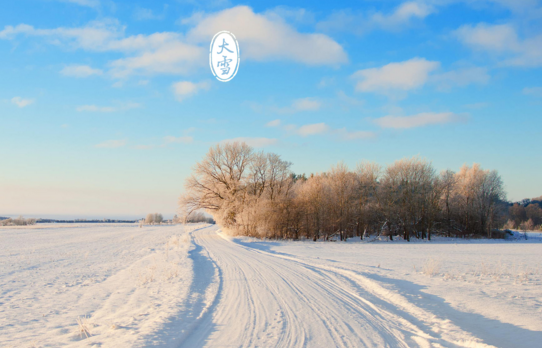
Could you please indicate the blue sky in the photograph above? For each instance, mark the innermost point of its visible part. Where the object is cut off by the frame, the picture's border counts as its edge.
(106, 105)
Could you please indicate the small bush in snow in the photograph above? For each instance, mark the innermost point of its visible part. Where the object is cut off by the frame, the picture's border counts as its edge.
(431, 267)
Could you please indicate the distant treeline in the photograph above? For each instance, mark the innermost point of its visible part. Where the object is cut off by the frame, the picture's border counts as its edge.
(195, 217)
(19, 221)
(256, 194)
(31, 221)
(84, 221)
(525, 215)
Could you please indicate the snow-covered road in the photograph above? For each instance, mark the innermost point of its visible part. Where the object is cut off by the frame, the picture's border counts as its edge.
(262, 299)
(193, 286)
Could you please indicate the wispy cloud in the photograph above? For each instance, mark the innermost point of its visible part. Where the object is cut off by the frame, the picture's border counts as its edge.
(312, 129)
(80, 71)
(419, 120)
(186, 89)
(274, 123)
(344, 134)
(534, 91)
(257, 32)
(96, 108)
(362, 22)
(21, 102)
(322, 129)
(297, 105)
(176, 140)
(460, 77)
(349, 101)
(111, 144)
(502, 40)
(254, 142)
(306, 104)
(176, 53)
(395, 79)
(403, 76)
(87, 3)
(144, 147)
(145, 14)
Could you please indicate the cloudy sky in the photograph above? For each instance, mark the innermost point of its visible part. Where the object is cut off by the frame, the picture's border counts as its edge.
(106, 105)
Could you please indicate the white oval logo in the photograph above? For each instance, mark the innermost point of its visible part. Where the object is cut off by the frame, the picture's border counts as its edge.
(224, 56)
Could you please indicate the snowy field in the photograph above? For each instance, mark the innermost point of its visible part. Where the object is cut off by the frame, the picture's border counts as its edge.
(125, 286)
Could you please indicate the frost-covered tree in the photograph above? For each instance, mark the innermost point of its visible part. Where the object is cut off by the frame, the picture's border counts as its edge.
(158, 218)
(534, 213)
(256, 194)
(527, 225)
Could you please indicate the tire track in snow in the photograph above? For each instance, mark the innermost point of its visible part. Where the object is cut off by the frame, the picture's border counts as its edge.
(267, 300)
(437, 331)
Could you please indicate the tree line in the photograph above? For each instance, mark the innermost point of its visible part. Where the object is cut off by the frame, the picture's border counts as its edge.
(19, 221)
(525, 215)
(257, 194)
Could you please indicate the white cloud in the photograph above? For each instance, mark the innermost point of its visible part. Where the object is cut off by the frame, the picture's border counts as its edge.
(297, 105)
(514, 5)
(254, 142)
(306, 104)
(295, 15)
(143, 14)
(21, 102)
(312, 129)
(95, 108)
(323, 129)
(402, 76)
(411, 12)
(501, 37)
(265, 38)
(344, 134)
(80, 71)
(419, 120)
(144, 147)
(360, 22)
(402, 15)
(504, 41)
(173, 58)
(186, 89)
(274, 123)
(87, 3)
(178, 140)
(111, 144)
(158, 53)
(534, 91)
(461, 77)
(96, 36)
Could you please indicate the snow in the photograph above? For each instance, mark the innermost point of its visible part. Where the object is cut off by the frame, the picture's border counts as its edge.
(531, 235)
(194, 286)
(123, 282)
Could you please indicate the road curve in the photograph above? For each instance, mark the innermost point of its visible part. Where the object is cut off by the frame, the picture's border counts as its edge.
(265, 300)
